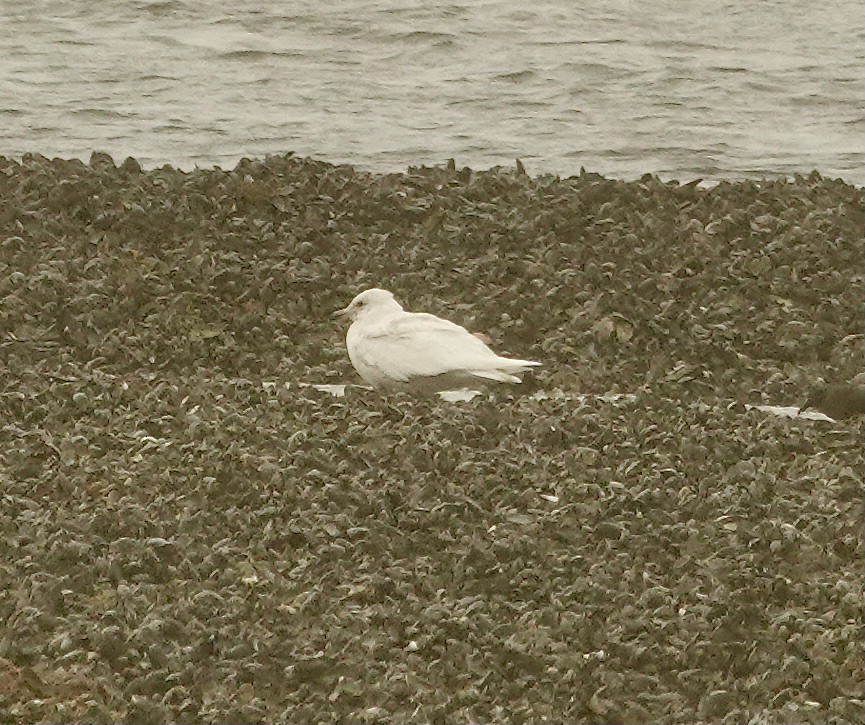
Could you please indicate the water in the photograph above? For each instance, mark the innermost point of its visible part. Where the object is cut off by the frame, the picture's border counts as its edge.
(728, 89)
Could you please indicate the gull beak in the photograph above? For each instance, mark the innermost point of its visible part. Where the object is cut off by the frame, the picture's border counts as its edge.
(340, 314)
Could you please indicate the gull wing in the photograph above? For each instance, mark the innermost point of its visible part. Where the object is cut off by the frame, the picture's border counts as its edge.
(423, 345)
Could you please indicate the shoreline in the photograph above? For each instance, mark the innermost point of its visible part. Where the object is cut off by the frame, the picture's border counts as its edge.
(708, 179)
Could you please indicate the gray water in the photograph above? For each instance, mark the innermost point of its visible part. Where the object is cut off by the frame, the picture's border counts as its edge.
(725, 89)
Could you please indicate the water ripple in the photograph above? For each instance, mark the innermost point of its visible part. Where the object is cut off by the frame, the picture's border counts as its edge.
(680, 89)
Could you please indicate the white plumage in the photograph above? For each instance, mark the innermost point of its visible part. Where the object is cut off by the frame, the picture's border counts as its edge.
(394, 349)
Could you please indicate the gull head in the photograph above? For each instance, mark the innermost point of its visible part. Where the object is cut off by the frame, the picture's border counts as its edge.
(368, 304)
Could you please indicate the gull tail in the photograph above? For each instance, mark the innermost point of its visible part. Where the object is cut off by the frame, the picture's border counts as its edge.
(506, 370)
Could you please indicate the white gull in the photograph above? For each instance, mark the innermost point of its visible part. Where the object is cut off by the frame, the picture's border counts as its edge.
(392, 349)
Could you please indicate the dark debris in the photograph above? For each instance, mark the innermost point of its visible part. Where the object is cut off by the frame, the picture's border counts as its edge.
(191, 536)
